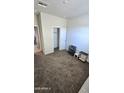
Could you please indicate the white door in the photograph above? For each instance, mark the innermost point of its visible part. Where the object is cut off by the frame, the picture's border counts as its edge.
(62, 44)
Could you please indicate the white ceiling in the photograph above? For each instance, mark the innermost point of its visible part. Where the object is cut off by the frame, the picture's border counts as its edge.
(56, 7)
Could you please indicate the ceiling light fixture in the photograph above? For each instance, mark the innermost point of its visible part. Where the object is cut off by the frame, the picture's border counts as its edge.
(42, 4)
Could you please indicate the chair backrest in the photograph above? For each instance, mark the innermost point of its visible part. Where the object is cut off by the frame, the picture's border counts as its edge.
(72, 47)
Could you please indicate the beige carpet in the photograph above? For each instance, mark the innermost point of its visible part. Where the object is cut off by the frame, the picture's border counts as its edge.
(59, 73)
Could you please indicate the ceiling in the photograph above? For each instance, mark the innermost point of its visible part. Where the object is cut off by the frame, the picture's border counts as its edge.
(70, 9)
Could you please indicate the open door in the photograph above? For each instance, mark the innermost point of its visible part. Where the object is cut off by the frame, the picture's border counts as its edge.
(56, 38)
(59, 35)
(62, 42)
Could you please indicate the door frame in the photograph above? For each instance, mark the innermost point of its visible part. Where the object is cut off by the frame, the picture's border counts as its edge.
(58, 34)
(58, 37)
(39, 37)
(60, 31)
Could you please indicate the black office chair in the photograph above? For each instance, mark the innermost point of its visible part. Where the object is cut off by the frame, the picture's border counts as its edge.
(72, 49)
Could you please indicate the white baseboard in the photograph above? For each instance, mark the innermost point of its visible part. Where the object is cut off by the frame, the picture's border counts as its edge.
(48, 52)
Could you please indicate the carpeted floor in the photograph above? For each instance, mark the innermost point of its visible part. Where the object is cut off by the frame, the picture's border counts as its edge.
(59, 73)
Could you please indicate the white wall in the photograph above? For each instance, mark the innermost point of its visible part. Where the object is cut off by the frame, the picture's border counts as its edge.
(78, 33)
(35, 20)
(49, 22)
(40, 31)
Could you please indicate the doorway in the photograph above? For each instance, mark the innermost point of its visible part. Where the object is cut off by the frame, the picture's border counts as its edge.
(56, 38)
(37, 47)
